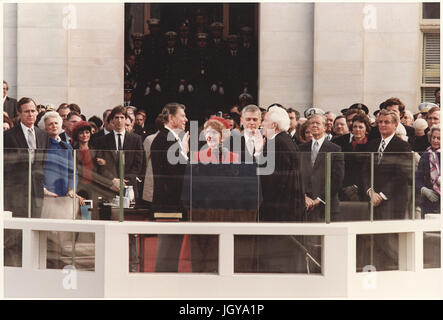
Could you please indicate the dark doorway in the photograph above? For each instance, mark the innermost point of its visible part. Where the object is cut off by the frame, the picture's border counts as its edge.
(204, 55)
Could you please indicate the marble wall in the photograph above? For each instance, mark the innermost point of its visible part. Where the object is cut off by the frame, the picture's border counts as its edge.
(286, 54)
(71, 53)
(333, 55)
(10, 47)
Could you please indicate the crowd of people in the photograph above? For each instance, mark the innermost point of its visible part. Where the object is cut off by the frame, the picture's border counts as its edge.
(192, 64)
(291, 153)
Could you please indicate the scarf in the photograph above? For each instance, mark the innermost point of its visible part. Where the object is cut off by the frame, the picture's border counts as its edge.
(355, 142)
(434, 169)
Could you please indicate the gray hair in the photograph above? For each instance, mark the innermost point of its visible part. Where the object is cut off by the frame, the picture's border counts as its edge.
(435, 127)
(318, 115)
(250, 108)
(280, 117)
(47, 115)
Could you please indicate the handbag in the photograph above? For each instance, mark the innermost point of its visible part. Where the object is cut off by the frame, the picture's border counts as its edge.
(59, 208)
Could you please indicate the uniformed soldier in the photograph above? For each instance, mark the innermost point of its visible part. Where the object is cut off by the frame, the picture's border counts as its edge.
(216, 41)
(152, 89)
(152, 45)
(249, 52)
(200, 23)
(217, 47)
(130, 71)
(185, 48)
(137, 40)
(202, 76)
(233, 74)
(170, 64)
(128, 94)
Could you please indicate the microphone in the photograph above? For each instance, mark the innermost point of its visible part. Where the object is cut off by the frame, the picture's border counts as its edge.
(220, 152)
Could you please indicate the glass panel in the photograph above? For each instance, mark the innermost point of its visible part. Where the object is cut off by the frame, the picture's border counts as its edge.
(221, 192)
(353, 204)
(102, 184)
(379, 251)
(12, 247)
(17, 170)
(393, 186)
(319, 189)
(75, 249)
(173, 253)
(277, 254)
(431, 10)
(431, 250)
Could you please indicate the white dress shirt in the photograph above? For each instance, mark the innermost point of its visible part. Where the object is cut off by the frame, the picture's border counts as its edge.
(179, 142)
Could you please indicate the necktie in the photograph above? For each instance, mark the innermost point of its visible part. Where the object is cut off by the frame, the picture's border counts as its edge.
(314, 152)
(31, 143)
(380, 150)
(31, 140)
(250, 146)
(119, 141)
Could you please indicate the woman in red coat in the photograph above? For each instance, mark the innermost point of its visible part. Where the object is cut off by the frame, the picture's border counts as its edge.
(215, 130)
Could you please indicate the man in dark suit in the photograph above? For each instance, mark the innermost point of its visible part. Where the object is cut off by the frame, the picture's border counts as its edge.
(17, 141)
(314, 170)
(71, 120)
(169, 155)
(294, 116)
(246, 143)
(313, 166)
(9, 104)
(392, 170)
(395, 105)
(283, 195)
(117, 140)
(107, 128)
(345, 139)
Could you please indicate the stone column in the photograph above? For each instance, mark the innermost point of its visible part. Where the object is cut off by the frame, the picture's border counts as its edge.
(365, 53)
(71, 53)
(286, 54)
(10, 47)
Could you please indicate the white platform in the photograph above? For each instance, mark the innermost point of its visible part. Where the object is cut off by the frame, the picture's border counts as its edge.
(111, 278)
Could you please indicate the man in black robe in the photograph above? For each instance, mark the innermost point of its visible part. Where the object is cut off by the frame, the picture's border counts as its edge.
(283, 195)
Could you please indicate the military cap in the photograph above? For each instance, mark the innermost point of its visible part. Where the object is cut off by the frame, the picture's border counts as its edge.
(245, 96)
(137, 36)
(425, 107)
(50, 107)
(171, 35)
(153, 22)
(201, 35)
(309, 112)
(359, 106)
(217, 25)
(232, 38)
